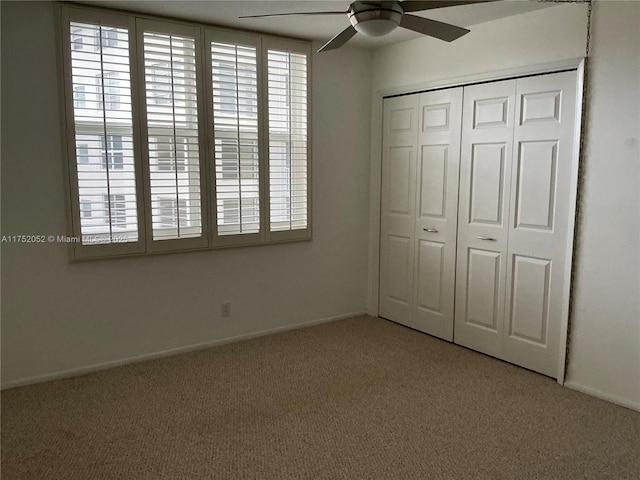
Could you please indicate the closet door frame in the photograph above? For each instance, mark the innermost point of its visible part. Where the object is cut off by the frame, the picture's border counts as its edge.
(577, 64)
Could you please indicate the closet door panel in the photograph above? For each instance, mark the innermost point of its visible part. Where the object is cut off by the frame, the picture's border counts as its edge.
(485, 189)
(486, 198)
(397, 215)
(483, 289)
(440, 117)
(538, 223)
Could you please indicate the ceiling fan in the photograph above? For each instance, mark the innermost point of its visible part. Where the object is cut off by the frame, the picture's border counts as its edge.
(377, 18)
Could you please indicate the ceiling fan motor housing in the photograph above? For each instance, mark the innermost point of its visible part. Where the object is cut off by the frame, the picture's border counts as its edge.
(375, 20)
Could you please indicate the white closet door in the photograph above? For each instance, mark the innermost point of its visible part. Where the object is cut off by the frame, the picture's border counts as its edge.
(485, 185)
(538, 221)
(397, 216)
(437, 174)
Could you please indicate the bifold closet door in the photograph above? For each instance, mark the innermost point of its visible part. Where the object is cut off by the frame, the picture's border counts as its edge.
(485, 186)
(437, 172)
(420, 172)
(397, 216)
(515, 193)
(538, 247)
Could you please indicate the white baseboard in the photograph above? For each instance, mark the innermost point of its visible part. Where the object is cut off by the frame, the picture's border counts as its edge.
(603, 395)
(74, 372)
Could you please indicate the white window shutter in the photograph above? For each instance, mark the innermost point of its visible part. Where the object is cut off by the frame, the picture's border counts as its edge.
(288, 141)
(237, 153)
(172, 141)
(235, 118)
(104, 133)
(104, 163)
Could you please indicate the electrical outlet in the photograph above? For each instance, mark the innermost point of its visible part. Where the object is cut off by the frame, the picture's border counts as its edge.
(225, 309)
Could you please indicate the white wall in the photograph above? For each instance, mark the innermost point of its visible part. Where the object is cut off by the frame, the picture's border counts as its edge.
(58, 316)
(553, 33)
(605, 339)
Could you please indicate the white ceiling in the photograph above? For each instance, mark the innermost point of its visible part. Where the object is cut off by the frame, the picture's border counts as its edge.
(322, 28)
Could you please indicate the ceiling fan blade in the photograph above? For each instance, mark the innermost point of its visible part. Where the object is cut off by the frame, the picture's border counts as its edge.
(433, 28)
(417, 6)
(293, 13)
(339, 40)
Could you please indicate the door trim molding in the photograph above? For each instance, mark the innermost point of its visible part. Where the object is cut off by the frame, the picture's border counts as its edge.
(375, 174)
(493, 76)
(572, 224)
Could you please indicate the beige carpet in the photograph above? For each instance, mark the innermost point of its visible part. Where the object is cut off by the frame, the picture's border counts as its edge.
(357, 399)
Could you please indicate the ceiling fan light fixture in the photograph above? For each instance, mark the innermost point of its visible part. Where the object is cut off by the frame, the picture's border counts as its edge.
(375, 28)
(374, 22)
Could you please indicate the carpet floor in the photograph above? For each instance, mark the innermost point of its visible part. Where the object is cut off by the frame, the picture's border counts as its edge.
(361, 398)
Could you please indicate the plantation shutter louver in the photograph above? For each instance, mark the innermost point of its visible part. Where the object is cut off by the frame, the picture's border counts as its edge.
(171, 96)
(288, 149)
(234, 75)
(103, 133)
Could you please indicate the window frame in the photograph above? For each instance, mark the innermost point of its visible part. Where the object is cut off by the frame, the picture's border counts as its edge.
(100, 17)
(302, 48)
(248, 40)
(172, 28)
(203, 35)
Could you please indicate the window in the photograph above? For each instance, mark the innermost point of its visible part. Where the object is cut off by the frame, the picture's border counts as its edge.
(105, 38)
(82, 153)
(232, 213)
(280, 172)
(116, 209)
(77, 38)
(227, 154)
(104, 180)
(169, 154)
(234, 74)
(108, 91)
(112, 152)
(79, 98)
(174, 126)
(287, 140)
(173, 212)
(217, 154)
(159, 83)
(85, 209)
(227, 158)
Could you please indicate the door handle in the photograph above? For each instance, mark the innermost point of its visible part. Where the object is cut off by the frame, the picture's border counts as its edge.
(430, 230)
(490, 239)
